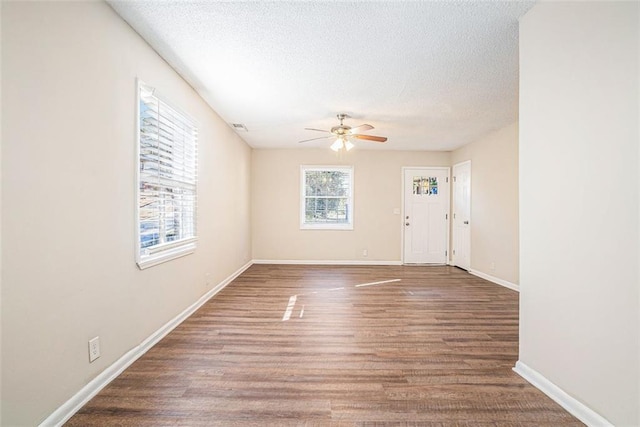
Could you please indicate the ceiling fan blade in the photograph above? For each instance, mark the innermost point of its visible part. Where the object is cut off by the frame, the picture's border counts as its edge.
(370, 138)
(319, 130)
(313, 139)
(361, 128)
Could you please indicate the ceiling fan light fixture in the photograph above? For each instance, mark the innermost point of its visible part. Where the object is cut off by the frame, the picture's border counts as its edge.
(337, 144)
(344, 134)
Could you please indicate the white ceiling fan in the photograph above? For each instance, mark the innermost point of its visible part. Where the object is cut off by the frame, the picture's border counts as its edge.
(344, 133)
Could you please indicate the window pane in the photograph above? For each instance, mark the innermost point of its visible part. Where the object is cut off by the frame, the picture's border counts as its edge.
(168, 173)
(326, 197)
(327, 183)
(423, 185)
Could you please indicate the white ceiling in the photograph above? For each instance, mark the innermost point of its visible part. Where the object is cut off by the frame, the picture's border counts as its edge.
(427, 75)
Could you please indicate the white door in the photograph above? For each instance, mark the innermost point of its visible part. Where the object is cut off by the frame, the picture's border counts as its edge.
(462, 215)
(426, 219)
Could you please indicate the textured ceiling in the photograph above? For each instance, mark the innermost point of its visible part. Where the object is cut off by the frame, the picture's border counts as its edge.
(427, 75)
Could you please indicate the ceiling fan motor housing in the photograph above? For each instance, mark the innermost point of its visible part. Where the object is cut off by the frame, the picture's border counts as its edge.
(340, 130)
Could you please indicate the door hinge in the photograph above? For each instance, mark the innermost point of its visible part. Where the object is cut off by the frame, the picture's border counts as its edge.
(447, 179)
(454, 251)
(445, 253)
(454, 179)
(446, 216)
(454, 216)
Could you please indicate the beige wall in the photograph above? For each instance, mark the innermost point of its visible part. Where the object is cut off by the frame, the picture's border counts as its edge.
(378, 191)
(0, 213)
(579, 186)
(71, 276)
(68, 161)
(494, 202)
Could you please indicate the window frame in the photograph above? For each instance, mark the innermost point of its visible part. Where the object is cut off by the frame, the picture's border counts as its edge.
(163, 252)
(350, 200)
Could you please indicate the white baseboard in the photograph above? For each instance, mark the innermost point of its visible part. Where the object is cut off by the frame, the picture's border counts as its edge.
(86, 393)
(572, 405)
(324, 262)
(495, 280)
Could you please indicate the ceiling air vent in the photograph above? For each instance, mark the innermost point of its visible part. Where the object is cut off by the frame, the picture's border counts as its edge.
(239, 127)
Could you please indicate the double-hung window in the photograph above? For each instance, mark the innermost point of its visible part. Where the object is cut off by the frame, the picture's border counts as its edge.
(327, 197)
(167, 178)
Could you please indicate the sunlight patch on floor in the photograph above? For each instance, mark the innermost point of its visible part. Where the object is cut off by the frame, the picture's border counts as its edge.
(292, 300)
(378, 283)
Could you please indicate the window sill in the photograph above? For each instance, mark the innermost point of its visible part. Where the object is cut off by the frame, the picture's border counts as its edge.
(339, 227)
(166, 255)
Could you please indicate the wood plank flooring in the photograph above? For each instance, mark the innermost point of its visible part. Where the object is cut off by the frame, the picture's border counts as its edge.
(306, 346)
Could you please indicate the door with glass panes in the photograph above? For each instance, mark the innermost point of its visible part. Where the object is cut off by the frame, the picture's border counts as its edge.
(426, 215)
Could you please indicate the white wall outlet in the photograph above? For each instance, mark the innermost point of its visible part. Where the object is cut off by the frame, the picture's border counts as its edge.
(396, 211)
(94, 349)
(365, 252)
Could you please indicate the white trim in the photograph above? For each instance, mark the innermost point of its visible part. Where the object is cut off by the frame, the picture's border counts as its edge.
(86, 393)
(167, 254)
(323, 262)
(136, 173)
(495, 280)
(402, 214)
(339, 226)
(562, 398)
(348, 226)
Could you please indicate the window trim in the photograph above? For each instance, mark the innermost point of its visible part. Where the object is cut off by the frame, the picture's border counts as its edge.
(169, 250)
(326, 226)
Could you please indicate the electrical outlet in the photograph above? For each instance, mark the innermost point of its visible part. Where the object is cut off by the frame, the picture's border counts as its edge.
(94, 349)
(365, 252)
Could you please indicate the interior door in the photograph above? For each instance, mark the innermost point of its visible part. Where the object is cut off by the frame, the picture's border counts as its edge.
(462, 215)
(426, 219)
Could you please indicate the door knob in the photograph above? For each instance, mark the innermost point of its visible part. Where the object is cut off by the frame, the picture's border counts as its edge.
(406, 223)
(466, 222)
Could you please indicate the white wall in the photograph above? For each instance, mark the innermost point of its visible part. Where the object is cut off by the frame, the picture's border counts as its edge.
(579, 187)
(494, 202)
(378, 191)
(68, 161)
(0, 211)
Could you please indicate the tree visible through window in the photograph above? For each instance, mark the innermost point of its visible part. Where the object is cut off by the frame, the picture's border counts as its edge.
(327, 200)
(167, 180)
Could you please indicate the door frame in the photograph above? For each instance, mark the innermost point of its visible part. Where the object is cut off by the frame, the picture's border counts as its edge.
(448, 210)
(453, 198)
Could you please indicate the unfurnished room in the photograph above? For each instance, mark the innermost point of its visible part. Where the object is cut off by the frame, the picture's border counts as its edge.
(320, 213)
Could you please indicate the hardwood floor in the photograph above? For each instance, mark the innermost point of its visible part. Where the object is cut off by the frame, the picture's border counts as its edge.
(306, 346)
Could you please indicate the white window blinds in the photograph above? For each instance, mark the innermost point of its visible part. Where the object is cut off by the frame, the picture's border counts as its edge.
(167, 180)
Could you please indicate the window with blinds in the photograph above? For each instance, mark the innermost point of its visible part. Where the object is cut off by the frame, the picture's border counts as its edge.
(327, 197)
(167, 180)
